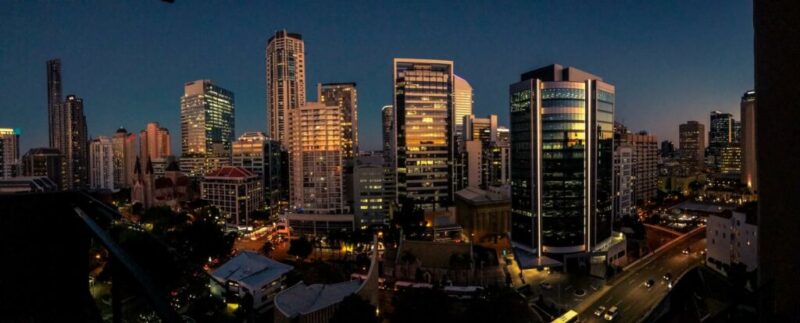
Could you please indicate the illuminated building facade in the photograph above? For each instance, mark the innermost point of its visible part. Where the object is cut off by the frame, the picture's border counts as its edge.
(101, 163)
(316, 160)
(207, 127)
(748, 141)
(9, 152)
(462, 103)
(423, 101)
(235, 191)
(261, 155)
(562, 161)
(154, 142)
(124, 157)
(286, 81)
(692, 145)
(75, 143)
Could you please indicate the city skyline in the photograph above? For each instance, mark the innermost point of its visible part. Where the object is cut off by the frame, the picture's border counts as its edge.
(715, 82)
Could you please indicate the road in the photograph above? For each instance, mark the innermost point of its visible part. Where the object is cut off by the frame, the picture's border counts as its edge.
(629, 293)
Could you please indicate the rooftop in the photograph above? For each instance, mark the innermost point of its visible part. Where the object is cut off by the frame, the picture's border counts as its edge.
(304, 299)
(250, 268)
(478, 196)
(230, 171)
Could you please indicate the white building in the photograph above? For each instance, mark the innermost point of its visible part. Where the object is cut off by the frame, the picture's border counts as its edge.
(235, 191)
(731, 237)
(101, 163)
(253, 274)
(623, 180)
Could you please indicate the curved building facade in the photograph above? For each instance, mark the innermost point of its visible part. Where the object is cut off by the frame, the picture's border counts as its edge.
(562, 160)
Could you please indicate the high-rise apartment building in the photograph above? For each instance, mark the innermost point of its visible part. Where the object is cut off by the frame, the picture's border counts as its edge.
(423, 101)
(562, 161)
(494, 151)
(462, 102)
(748, 141)
(207, 127)
(44, 162)
(9, 153)
(286, 81)
(260, 155)
(645, 165)
(345, 97)
(101, 163)
(124, 157)
(54, 98)
(667, 149)
(316, 160)
(155, 142)
(75, 143)
(390, 176)
(623, 180)
(692, 145)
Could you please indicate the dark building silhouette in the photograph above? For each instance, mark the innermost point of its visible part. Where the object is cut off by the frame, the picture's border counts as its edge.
(777, 48)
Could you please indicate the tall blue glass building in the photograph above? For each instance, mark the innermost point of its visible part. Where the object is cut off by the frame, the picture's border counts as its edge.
(562, 161)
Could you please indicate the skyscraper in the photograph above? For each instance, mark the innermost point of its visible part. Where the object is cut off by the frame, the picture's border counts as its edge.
(462, 101)
(207, 127)
(720, 134)
(645, 165)
(286, 81)
(155, 142)
(74, 143)
(124, 157)
(260, 155)
(54, 98)
(494, 152)
(344, 96)
(389, 150)
(101, 163)
(316, 160)
(9, 152)
(562, 161)
(748, 141)
(623, 180)
(424, 127)
(368, 176)
(692, 145)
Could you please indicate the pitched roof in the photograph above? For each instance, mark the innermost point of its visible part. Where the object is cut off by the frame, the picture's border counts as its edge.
(230, 171)
(250, 268)
(305, 299)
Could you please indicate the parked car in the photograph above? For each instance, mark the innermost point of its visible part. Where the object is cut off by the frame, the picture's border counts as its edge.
(649, 283)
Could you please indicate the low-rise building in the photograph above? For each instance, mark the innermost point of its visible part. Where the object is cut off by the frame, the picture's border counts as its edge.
(315, 303)
(319, 224)
(27, 185)
(250, 273)
(235, 191)
(731, 239)
(482, 213)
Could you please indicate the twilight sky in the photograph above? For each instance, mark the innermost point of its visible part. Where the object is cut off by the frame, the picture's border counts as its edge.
(670, 61)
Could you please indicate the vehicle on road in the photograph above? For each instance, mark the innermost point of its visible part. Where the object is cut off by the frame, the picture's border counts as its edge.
(600, 311)
(667, 276)
(568, 317)
(649, 283)
(686, 251)
(546, 286)
(611, 314)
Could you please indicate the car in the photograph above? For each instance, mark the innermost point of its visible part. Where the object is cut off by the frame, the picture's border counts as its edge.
(686, 251)
(546, 286)
(703, 252)
(600, 311)
(649, 283)
(667, 276)
(611, 314)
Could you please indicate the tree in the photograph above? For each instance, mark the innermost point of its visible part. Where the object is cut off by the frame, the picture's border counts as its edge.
(266, 249)
(300, 248)
(353, 308)
(422, 305)
(502, 304)
(411, 218)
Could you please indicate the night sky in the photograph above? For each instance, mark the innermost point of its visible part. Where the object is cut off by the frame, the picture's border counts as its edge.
(671, 62)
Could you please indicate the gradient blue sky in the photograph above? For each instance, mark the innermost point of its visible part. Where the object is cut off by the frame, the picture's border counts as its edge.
(671, 61)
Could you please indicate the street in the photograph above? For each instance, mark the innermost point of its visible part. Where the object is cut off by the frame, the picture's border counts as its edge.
(629, 293)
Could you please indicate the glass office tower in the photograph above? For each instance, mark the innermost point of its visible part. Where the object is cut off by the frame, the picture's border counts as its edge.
(562, 160)
(423, 101)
